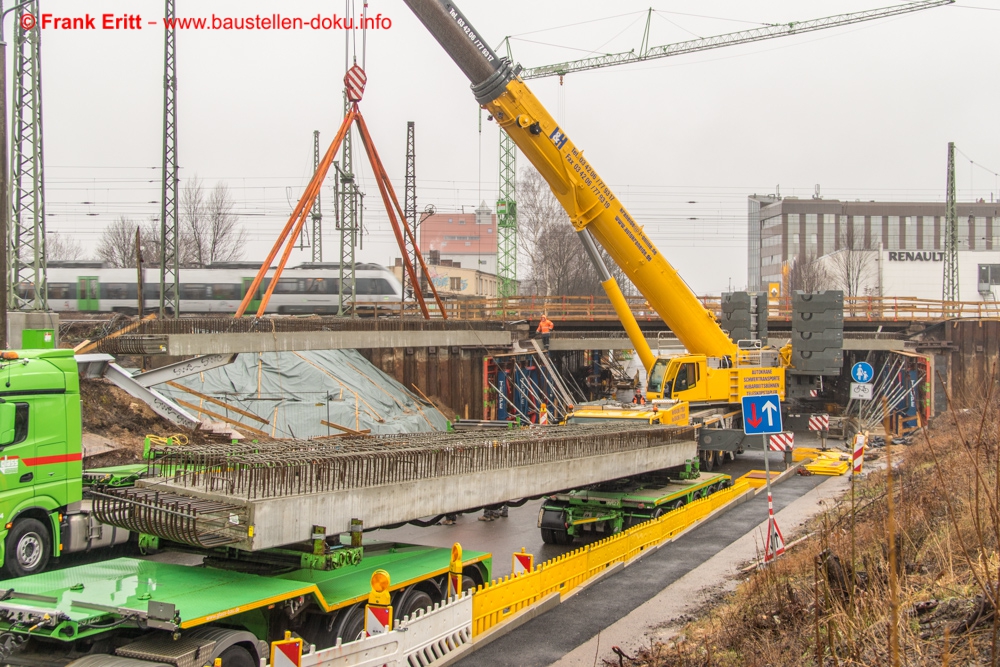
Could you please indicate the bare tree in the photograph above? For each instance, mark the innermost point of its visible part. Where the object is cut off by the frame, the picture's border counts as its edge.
(556, 261)
(852, 266)
(117, 245)
(212, 229)
(807, 275)
(62, 248)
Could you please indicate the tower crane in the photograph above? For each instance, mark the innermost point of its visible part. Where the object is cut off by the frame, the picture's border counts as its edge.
(507, 205)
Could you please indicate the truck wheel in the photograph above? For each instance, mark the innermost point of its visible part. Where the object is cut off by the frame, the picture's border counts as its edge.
(707, 462)
(237, 656)
(718, 458)
(413, 600)
(350, 624)
(28, 548)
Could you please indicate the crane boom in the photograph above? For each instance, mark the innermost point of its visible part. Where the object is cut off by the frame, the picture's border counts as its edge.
(592, 207)
(728, 39)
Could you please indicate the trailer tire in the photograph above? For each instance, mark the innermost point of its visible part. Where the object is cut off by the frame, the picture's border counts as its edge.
(413, 600)
(558, 537)
(28, 548)
(707, 462)
(237, 656)
(350, 624)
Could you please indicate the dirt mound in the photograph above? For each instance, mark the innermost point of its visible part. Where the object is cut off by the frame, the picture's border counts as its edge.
(124, 421)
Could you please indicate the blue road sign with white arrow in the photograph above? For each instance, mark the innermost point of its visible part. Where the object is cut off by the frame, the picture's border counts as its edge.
(862, 372)
(761, 414)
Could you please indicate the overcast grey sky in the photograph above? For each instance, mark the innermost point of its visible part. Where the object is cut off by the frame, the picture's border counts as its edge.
(865, 111)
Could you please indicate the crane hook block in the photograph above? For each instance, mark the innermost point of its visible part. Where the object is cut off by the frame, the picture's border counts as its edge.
(355, 80)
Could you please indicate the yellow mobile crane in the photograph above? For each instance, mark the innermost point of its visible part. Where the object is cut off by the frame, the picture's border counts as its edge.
(715, 371)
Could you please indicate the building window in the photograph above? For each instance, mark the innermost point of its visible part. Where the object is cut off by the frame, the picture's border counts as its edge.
(455, 284)
(811, 232)
(875, 226)
(892, 243)
(989, 275)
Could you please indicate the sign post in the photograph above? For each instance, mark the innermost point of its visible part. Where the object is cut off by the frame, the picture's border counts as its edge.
(762, 416)
(862, 390)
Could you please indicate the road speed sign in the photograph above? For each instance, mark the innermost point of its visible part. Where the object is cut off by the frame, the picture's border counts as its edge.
(861, 391)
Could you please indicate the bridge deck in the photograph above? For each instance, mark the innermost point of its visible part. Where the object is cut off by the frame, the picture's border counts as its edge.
(213, 495)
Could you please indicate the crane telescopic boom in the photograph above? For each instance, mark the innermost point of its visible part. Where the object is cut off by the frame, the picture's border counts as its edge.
(592, 207)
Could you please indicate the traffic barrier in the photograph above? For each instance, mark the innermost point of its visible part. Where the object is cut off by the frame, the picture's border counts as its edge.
(500, 599)
(421, 639)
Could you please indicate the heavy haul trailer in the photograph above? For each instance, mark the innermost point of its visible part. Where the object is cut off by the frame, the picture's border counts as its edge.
(611, 507)
(133, 613)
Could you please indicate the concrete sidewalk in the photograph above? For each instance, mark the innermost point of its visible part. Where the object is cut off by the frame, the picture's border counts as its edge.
(662, 617)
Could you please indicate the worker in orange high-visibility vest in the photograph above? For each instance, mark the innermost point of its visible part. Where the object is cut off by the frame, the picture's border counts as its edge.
(545, 327)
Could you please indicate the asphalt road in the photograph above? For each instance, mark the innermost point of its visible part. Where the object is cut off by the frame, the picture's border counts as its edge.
(550, 636)
(502, 537)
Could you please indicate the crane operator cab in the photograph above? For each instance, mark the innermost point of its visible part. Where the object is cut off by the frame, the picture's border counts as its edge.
(697, 378)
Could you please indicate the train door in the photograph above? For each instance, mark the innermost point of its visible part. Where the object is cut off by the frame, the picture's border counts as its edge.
(255, 302)
(88, 294)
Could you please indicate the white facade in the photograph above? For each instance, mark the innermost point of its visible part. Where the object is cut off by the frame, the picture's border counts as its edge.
(919, 273)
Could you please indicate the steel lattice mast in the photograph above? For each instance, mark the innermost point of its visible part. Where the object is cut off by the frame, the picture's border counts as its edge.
(410, 208)
(350, 228)
(169, 236)
(949, 286)
(317, 211)
(507, 218)
(26, 253)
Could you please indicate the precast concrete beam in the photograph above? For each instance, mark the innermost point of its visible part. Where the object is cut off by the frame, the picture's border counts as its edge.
(286, 520)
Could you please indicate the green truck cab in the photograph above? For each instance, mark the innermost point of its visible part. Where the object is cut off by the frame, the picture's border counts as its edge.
(42, 509)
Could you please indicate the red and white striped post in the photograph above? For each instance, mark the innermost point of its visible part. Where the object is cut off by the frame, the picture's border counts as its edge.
(857, 458)
(775, 541)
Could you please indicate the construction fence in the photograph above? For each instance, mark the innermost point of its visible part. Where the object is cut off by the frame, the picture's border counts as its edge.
(500, 599)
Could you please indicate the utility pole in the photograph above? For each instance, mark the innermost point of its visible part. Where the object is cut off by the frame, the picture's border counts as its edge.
(949, 285)
(410, 212)
(26, 252)
(348, 222)
(4, 185)
(317, 213)
(507, 213)
(507, 219)
(169, 237)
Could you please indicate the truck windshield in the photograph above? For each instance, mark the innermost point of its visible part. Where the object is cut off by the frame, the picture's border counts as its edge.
(656, 374)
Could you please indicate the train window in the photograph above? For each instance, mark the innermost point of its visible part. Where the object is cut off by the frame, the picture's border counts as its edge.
(384, 286)
(314, 285)
(363, 286)
(150, 291)
(287, 286)
(226, 291)
(62, 291)
(193, 290)
(114, 291)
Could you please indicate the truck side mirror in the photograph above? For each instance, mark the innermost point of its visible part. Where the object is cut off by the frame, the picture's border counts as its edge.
(8, 411)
